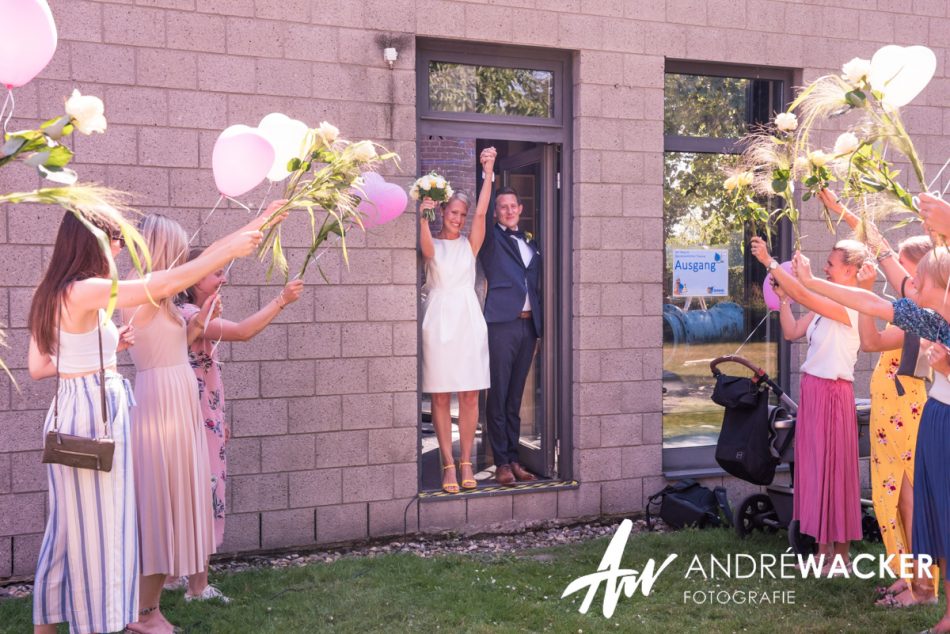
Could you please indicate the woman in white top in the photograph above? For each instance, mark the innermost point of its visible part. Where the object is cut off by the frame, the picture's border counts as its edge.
(827, 500)
(454, 334)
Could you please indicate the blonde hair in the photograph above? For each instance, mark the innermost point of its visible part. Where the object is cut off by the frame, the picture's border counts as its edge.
(935, 266)
(459, 195)
(853, 252)
(168, 245)
(915, 248)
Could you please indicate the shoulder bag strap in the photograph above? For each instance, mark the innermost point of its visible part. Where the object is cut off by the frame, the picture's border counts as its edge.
(102, 378)
(59, 343)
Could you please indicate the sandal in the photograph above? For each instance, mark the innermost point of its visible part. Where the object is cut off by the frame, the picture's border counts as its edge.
(451, 487)
(891, 601)
(468, 483)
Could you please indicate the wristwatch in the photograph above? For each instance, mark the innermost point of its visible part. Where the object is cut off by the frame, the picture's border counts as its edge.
(772, 265)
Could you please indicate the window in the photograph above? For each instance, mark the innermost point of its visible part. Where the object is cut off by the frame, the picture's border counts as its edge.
(490, 90)
(713, 303)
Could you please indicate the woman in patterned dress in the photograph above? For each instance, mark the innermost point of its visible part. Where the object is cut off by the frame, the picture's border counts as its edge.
(203, 355)
(927, 318)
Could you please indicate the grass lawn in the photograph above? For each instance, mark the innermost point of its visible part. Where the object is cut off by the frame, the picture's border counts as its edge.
(521, 592)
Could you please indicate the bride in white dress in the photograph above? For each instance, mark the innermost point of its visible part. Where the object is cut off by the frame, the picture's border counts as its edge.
(454, 334)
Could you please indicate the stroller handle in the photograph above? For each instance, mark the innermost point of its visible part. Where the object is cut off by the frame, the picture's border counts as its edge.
(731, 358)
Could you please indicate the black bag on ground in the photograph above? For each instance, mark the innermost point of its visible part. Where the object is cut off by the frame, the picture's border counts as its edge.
(688, 503)
(744, 447)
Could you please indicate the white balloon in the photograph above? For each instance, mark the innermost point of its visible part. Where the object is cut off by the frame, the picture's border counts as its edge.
(287, 136)
(900, 73)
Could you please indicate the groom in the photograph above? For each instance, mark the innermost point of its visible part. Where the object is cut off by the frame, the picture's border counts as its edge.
(512, 265)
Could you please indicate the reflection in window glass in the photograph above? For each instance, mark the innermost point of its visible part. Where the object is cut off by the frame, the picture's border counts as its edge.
(716, 107)
(491, 90)
(702, 323)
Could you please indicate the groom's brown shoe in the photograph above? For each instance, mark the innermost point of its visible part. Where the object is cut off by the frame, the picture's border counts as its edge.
(504, 476)
(522, 474)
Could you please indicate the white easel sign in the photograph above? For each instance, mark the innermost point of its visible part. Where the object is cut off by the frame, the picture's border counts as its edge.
(700, 273)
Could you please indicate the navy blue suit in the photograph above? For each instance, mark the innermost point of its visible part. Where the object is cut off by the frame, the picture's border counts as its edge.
(511, 340)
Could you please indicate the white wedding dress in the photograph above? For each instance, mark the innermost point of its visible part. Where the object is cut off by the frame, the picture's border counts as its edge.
(454, 334)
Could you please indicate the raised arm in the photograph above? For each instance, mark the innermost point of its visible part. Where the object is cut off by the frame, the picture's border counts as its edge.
(477, 235)
(792, 328)
(794, 289)
(935, 213)
(250, 326)
(832, 204)
(859, 299)
(872, 339)
(426, 245)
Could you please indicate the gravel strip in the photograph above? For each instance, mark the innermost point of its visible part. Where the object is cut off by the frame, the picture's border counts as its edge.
(542, 535)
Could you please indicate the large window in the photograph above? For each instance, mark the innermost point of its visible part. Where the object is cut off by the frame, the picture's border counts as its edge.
(713, 303)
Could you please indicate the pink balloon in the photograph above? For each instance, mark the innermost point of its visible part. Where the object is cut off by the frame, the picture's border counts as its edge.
(772, 301)
(241, 159)
(27, 40)
(382, 202)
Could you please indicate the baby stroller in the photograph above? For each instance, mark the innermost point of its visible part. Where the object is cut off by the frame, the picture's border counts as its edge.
(756, 437)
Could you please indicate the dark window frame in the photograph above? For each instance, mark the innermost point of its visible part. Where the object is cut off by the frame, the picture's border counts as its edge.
(558, 131)
(701, 460)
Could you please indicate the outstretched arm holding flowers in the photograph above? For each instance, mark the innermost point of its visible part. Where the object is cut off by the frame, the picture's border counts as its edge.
(796, 290)
(477, 235)
(861, 300)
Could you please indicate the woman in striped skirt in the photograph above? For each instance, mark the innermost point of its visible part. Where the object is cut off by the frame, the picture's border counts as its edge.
(87, 573)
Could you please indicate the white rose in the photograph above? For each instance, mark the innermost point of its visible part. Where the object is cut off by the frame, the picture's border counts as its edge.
(86, 112)
(745, 179)
(364, 151)
(327, 133)
(425, 182)
(414, 192)
(802, 163)
(786, 121)
(448, 191)
(847, 143)
(856, 71)
(731, 183)
(440, 182)
(818, 158)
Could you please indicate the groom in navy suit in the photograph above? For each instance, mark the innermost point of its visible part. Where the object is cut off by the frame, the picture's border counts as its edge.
(512, 265)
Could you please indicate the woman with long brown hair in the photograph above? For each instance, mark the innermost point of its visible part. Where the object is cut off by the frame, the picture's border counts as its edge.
(87, 572)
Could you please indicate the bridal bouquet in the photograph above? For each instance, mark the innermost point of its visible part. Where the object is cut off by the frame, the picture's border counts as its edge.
(431, 186)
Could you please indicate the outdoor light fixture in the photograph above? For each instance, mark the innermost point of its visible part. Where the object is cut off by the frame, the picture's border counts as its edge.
(390, 55)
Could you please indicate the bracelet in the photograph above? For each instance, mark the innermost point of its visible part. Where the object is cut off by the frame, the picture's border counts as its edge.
(884, 254)
(279, 305)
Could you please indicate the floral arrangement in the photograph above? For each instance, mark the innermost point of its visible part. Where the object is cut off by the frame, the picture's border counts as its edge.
(431, 186)
(874, 90)
(327, 176)
(93, 205)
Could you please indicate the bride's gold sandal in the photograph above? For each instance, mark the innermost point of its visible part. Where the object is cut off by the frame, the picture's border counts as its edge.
(453, 487)
(468, 483)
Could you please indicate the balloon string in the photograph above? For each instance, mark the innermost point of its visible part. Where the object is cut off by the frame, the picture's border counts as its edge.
(187, 246)
(742, 345)
(3, 111)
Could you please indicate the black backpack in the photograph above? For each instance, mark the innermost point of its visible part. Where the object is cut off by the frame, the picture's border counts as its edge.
(744, 447)
(688, 503)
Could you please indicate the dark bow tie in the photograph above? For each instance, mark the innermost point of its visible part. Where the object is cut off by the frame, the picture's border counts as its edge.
(515, 234)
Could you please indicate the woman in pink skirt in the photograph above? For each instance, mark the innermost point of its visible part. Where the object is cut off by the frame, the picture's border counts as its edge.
(827, 500)
(203, 355)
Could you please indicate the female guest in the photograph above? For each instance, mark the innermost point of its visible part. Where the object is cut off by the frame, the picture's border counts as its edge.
(927, 318)
(203, 356)
(897, 398)
(87, 573)
(454, 334)
(176, 534)
(827, 499)
(897, 401)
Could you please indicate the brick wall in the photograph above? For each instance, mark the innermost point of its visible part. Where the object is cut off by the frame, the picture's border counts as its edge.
(323, 404)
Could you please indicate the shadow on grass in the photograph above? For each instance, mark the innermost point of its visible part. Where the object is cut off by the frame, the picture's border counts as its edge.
(521, 592)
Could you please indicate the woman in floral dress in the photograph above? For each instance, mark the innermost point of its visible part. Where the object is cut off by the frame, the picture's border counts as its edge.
(202, 352)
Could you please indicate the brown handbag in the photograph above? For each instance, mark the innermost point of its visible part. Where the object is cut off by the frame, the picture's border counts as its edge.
(79, 451)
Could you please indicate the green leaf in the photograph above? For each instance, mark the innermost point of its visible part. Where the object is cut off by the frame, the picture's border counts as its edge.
(293, 165)
(61, 175)
(856, 98)
(779, 185)
(806, 196)
(59, 156)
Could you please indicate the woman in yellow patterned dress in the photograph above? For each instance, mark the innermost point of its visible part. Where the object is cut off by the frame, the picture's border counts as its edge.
(896, 406)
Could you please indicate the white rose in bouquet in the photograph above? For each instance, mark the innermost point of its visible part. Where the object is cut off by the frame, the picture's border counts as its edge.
(327, 133)
(786, 121)
(846, 144)
(745, 179)
(87, 112)
(818, 158)
(364, 151)
(731, 183)
(856, 71)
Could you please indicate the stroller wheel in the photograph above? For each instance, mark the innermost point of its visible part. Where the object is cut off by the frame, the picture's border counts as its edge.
(801, 543)
(751, 513)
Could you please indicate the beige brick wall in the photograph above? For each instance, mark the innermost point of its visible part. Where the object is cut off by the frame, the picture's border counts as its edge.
(323, 405)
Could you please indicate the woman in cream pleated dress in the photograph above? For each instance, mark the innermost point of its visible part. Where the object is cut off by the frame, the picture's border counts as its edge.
(175, 517)
(454, 334)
